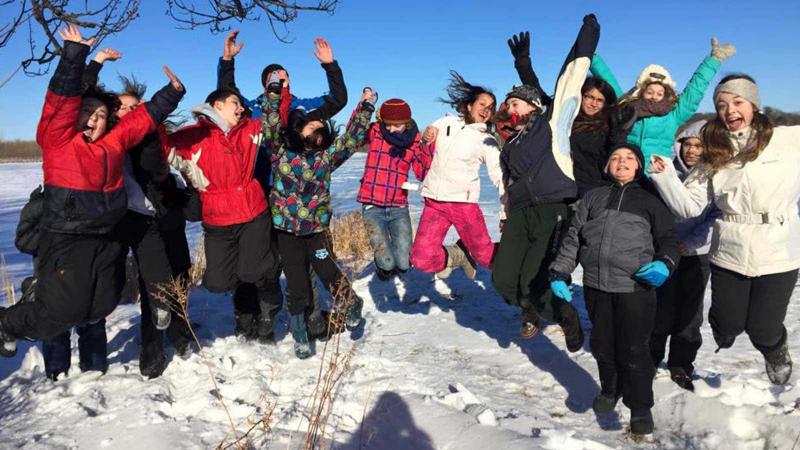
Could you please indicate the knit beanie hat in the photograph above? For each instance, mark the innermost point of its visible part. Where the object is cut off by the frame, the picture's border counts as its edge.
(527, 93)
(268, 70)
(636, 151)
(394, 111)
(653, 74)
(742, 87)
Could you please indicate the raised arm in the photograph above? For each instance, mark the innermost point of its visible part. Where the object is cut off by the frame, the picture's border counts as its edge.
(520, 46)
(143, 120)
(686, 200)
(271, 118)
(567, 96)
(601, 70)
(63, 99)
(356, 133)
(337, 99)
(92, 72)
(695, 90)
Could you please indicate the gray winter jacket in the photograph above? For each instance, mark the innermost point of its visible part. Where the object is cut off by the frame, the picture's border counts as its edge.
(615, 231)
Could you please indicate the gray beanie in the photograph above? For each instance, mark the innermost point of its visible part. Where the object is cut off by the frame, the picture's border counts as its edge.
(742, 87)
(527, 93)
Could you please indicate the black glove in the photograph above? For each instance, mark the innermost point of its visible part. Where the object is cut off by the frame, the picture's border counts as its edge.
(520, 45)
(274, 83)
(590, 19)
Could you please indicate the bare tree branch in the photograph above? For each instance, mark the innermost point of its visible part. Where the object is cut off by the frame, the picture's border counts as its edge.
(217, 14)
(108, 17)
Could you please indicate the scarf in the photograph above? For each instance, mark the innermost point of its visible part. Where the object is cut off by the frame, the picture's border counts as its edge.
(400, 142)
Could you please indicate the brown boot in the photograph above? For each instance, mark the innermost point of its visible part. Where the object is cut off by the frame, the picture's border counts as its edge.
(456, 257)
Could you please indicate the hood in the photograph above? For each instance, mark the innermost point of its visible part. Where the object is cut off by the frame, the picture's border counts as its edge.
(651, 74)
(692, 131)
(207, 111)
(636, 151)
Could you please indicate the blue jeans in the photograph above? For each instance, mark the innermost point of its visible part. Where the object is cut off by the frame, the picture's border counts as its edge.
(389, 231)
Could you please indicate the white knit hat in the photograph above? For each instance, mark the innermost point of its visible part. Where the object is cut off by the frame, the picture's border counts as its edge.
(653, 74)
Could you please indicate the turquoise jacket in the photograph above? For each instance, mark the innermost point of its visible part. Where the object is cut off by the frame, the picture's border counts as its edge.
(656, 134)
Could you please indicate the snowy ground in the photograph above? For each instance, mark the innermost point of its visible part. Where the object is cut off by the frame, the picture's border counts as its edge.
(423, 339)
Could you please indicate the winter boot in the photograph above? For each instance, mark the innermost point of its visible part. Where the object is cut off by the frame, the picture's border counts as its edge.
(682, 378)
(603, 403)
(641, 423)
(383, 275)
(57, 354)
(316, 323)
(265, 329)
(28, 290)
(297, 324)
(152, 361)
(93, 347)
(779, 364)
(571, 325)
(181, 337)
(470, 268)
(456, 257)
(161, 314)
(8, 343)
(245, 328)
(353, 318)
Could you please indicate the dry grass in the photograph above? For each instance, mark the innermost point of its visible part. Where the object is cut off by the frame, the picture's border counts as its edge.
(8, 288)
(351, 241)
(198, 264)
(19, 151)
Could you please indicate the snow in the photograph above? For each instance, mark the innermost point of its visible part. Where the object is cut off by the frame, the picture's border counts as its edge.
(439, 365)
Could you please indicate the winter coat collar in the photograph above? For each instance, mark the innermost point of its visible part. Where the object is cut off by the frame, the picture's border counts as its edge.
(208, 112)
(742, 139)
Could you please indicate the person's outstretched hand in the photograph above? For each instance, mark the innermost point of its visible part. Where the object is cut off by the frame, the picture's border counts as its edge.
(323, 51)
(230, 49)
(721, 52)
(107, 54)
(176, 83)
(71, 33)
(520, 45)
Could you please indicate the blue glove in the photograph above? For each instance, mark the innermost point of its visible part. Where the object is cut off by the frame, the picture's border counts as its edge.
(654, 273)
(561, 290)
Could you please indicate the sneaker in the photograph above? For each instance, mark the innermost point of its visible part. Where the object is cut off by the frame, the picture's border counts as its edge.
(529, 329)
(8, 347)
(353, 318)
(681, 378)
(604, 404)
(302, 348)
(641, 423)
(779, 365)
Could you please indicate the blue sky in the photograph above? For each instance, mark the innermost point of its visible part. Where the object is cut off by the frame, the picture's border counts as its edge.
(405, 49)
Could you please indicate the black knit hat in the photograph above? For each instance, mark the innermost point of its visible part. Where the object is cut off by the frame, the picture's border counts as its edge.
(636, 151)
(527, 93)
(268, 70)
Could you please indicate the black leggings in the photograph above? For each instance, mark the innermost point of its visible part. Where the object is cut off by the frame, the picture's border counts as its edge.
(298, 255)
(755, 305)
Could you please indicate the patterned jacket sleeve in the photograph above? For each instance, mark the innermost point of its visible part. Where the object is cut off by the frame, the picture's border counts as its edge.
(352, 139)
(272, 123)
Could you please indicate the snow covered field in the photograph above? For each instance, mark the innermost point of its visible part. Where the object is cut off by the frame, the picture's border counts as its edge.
(423, 340)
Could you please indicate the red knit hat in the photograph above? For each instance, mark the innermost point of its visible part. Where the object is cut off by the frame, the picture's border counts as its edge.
(394, 112)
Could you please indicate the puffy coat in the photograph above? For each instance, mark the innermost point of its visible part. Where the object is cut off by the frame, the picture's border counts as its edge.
(300, 197)
(461, 148)
(656, 134)
(758, 232)
(536, 162)
(219, 163)
(615, 231)
(384, 174)
(83, 182)
(694, 233)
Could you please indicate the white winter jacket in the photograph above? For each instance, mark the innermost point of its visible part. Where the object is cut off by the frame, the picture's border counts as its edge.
(454, 175)
(759, 230)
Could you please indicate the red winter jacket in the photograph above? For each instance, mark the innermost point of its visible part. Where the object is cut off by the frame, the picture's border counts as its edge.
(83, 186)
(384, 174)
(220, 165)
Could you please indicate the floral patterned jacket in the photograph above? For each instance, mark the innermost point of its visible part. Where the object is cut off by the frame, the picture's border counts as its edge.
(300, 198)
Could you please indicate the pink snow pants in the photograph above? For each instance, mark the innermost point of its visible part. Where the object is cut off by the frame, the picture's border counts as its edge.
(427, 254)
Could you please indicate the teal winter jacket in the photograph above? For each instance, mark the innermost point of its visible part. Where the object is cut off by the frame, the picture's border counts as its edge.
(656, 134)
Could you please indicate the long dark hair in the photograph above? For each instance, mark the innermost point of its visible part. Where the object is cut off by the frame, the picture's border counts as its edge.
(109, 99)
(719, 148)
(132, 87)
(602, 121)
(461, 94)
(321, 138)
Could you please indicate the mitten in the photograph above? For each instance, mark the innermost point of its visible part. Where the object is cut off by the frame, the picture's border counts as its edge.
(721, 52)
(653, 273)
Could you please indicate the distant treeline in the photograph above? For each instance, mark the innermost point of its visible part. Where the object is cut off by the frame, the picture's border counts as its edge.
(15, 151)
(18, 151)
